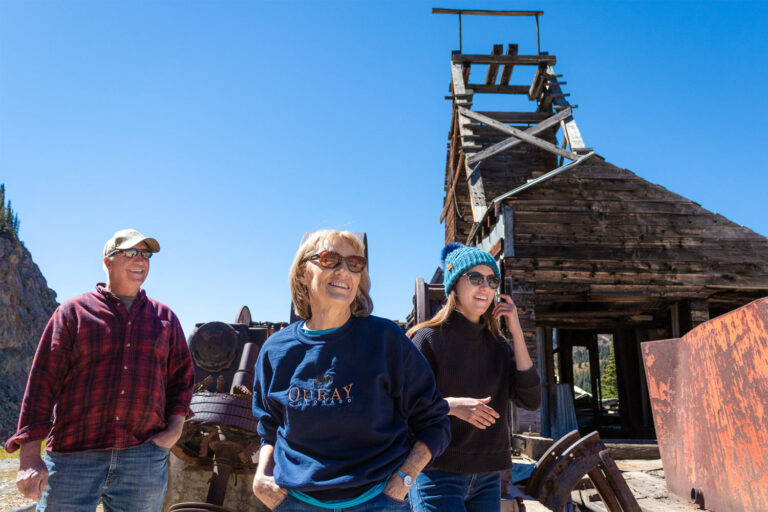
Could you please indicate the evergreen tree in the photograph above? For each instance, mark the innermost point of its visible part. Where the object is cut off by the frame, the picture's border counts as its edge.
(9, 221)
(608, 376)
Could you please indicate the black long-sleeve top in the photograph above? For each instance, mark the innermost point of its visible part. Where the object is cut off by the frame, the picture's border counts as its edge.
(469, 362)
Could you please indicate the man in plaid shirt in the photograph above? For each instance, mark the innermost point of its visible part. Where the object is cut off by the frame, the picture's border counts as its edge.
(110, 387)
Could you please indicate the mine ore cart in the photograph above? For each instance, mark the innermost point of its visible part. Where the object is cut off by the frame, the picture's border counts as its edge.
(221, 436)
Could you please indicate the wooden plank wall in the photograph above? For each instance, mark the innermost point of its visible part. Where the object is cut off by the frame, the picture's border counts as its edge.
(603, 233)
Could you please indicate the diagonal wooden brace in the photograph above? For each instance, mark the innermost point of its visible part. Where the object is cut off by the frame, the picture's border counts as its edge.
(514, 141)
(520, 134)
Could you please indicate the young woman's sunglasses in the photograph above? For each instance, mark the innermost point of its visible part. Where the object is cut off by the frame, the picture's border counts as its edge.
(332, 260)
(476, 279)
(130, 253)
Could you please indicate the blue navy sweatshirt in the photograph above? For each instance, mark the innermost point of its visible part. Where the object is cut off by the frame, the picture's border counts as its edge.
(343, 409)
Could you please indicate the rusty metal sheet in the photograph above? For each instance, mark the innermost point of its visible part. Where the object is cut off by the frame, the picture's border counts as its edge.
(709, 393)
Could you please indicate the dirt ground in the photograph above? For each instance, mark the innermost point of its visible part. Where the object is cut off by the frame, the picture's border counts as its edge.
(9, 496)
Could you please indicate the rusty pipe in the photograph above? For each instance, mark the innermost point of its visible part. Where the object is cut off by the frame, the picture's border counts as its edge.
(244, 374)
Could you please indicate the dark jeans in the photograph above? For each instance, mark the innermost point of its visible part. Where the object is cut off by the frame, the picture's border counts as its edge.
(130, 480)
(440, 491)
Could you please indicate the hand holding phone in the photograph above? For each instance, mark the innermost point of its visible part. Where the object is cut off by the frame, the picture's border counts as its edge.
(506, 308)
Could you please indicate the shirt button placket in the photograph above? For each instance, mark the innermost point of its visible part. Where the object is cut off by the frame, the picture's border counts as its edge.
(123, 380)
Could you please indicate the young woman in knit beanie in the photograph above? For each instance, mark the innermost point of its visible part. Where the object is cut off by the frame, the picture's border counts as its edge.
(478, 372)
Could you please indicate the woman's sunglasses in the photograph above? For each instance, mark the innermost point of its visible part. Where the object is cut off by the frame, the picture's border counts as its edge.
(331, 260)
(130, 253)
(476, 279)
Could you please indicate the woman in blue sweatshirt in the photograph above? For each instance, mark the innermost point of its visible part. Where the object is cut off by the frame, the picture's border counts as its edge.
(348, 409)
(479, 373)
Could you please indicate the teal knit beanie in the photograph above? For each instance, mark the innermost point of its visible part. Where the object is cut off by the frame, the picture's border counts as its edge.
(456, 258)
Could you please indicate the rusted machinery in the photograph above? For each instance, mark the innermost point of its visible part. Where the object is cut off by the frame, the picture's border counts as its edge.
(221, 436)
(709, 393)
(567, 461)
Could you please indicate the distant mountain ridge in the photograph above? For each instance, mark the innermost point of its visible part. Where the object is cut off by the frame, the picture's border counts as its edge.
(26, 304)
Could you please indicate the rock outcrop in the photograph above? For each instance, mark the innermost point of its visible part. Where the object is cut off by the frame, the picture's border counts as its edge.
(26, 304)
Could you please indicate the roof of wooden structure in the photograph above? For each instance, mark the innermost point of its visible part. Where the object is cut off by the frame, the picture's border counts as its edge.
(580, 228)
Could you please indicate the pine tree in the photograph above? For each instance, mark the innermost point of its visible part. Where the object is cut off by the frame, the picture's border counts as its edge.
(9, 221)
(608, 376)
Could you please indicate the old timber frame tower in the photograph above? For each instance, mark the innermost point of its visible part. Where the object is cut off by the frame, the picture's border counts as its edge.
(589, 251)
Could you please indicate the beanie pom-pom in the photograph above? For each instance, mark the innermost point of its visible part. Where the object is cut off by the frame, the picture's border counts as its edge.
(447, 250)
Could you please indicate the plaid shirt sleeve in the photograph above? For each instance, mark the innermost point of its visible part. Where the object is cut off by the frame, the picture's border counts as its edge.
(50, 365)
(181, 376)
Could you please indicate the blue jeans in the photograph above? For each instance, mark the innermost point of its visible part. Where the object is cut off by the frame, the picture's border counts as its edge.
(129, 480)
(440, 491)
(381, 503)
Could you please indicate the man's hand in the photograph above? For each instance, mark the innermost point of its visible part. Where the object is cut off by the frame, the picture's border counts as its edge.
(473, 411)
(268, 492)
(168, 437)
(32, 477)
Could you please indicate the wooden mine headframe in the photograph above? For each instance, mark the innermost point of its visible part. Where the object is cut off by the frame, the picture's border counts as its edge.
(588, 250)
(552, 110)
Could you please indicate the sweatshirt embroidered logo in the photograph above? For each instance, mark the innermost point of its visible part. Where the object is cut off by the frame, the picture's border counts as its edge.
(299, 396)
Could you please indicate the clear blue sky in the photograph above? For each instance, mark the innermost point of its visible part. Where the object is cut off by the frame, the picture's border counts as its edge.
(228, 129)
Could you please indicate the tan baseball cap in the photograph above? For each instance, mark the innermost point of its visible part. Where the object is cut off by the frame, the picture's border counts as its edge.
(127, 238)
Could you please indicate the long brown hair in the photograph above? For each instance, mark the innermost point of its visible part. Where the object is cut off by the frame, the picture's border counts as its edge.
(442, 315)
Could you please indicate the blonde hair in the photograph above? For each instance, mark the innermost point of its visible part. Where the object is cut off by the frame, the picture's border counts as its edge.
(361, 306)
(444, 313)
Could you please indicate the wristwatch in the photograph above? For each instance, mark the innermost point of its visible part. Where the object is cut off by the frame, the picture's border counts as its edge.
(407, 479)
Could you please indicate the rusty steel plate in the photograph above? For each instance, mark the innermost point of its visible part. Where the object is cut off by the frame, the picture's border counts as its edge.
(709, 393)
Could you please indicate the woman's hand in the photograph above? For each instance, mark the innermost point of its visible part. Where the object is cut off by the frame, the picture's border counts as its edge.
(396, 488)
(268, 492)
(264, 486)
(508, 310)
(473, 411)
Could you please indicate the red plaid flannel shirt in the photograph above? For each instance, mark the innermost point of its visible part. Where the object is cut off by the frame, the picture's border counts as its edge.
(104, 377)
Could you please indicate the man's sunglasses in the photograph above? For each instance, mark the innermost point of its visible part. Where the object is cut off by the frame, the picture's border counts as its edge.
(332, 260)
(476, 279)
(130, 253)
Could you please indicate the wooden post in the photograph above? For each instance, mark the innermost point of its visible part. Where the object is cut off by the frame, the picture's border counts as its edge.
(523, 296)
(698, 309)
(674, 311)
(546, 368)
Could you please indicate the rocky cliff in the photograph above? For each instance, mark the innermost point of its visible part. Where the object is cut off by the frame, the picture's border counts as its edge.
(26, 303)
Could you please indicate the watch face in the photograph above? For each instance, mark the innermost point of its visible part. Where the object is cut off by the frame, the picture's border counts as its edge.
(407, 480)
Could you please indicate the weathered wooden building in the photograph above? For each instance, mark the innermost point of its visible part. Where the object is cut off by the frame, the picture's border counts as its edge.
(589, 250)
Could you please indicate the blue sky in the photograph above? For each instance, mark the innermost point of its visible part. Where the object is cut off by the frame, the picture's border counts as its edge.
(228, 129)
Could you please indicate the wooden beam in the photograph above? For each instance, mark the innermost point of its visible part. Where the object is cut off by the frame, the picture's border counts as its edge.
(565, 315)
(483, 12)
(514, 141)
(476, 188)
(493, 69)
(496, 249)
(449, 195)
(571, 130)
(519, 60)
(498, 89)
(538, 82)
(451, 163)
(520, 134)
(517, 117)
(506, 70)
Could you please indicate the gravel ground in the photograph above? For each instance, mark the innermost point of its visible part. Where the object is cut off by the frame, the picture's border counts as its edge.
(9, 495)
